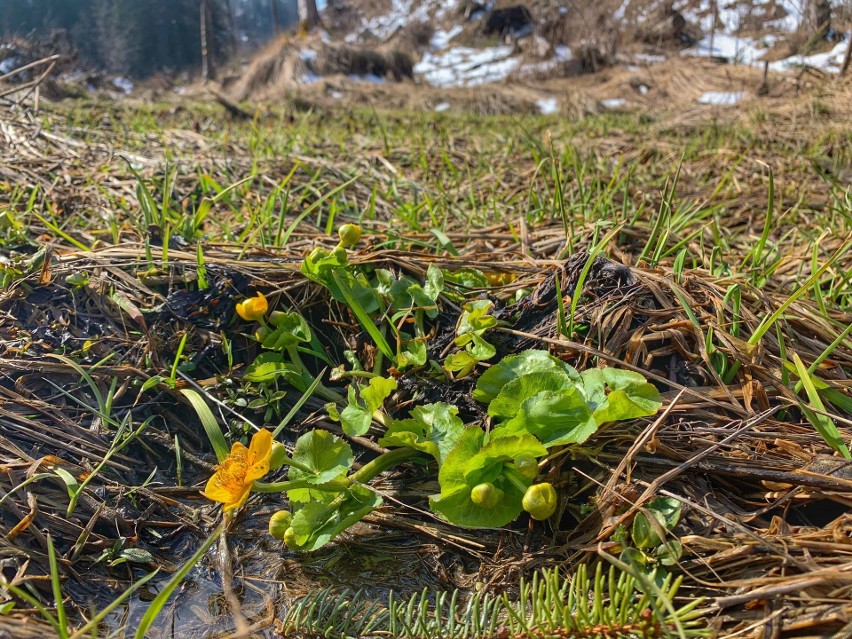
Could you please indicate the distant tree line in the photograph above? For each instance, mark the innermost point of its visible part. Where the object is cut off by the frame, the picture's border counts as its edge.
(140, 37)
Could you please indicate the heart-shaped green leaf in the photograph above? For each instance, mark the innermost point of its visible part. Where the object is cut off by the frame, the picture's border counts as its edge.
(433, 428)
(492, 381)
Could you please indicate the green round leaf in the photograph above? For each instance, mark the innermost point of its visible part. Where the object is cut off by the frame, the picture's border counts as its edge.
(328, 457)
(492, 381)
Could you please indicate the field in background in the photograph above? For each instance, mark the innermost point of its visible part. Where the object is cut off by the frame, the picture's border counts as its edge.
(736, 230)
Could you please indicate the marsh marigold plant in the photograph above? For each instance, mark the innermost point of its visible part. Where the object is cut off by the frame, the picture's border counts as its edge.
(233, 479)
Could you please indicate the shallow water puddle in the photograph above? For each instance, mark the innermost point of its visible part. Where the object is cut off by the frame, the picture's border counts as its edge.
(268, 579)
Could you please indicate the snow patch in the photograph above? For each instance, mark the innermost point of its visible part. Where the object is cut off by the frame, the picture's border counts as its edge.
(445, 7)
(370, 78)
(828, 61)
(122, 84)
(9, 64)
(466, 67)
(613, 103)
(441, 39)
(648, 58)
(563, 52)
(732, 48)
(721, 98)
(402, 12)
(441, 107)
(547, 106)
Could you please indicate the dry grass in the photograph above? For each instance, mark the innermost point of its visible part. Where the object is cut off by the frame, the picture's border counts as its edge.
(288, 63)
(766, 529)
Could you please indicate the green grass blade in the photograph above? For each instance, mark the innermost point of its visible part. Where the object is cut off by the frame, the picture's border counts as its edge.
(313, 207)
(578, 289)
(823, 424)
(56, 587)
(101, 615)
(363, 317)
(208, 421)
(292, 413)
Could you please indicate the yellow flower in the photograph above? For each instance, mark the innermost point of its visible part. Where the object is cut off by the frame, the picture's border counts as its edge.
(253, 308)
(232, 481)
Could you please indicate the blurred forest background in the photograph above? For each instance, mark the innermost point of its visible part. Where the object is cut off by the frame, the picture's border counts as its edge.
(137, 38)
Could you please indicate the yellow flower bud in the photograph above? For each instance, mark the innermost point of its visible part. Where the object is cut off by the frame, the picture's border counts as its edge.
(276, 317)
(279, 454)
(289, 539)
(279, 524)
(540, 501)
(350, 234)
(486, 495)
(253, 308)
(527, 466)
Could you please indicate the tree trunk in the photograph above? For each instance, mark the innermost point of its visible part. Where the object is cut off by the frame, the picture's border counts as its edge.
(308, 14)
(817, 18)
(846, 58)
(276, 17)
(207, 70)
(232, 27)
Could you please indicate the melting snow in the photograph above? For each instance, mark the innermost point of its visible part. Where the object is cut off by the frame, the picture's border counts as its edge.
(370, 78)
(402, 12)
(442, 106)
(648, 58)
(441, 39)
(828, 61)
(738, 50)
(465, 67)
(9, 64)
(122, 84)
(563, 52)
(613, 103)
(446, 5)
(547, 106)
(721, 98)
(749, 52)
(724, 43)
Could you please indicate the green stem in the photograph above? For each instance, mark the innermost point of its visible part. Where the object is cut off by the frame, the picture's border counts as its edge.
(383, 462)
(282, 486)
(360, 374)
(368, 471)
(379, 360)
(289, 461)
(321, 390)
(515, 478)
